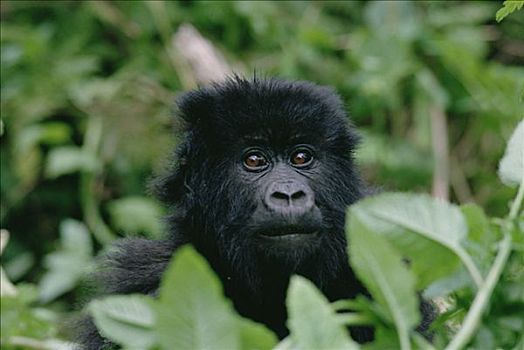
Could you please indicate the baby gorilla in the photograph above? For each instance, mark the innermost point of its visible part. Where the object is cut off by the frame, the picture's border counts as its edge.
(260, 186)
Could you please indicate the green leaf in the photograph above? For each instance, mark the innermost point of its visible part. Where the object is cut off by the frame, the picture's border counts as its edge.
(511, 167)
(385, 275)
(136, 214)
(192, 312)
(416, 225)
(75, 238)
(68, 159)
(255, 336)
(127, 320)
(285, 344)
(18, 318)
(481, 238)
(445, 286)
(312, 321)
(66, 266)
(508, 7)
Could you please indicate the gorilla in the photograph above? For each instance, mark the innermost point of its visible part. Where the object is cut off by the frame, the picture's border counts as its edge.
(259, 185)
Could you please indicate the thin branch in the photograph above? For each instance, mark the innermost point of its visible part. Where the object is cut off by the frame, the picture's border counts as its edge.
(354, 319)
(474, 316)
(206, 62)
(459, 182)
(92, 216)
(439, 139)
(470, 266)
(517, 202)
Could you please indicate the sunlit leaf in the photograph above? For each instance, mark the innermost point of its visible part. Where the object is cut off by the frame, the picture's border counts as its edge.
(416, 225)
(192, 312)
(66, 266)
(127, 320)
(312, 321)
(511, 167)
(136, 214)
(386, 276)
(69, 159)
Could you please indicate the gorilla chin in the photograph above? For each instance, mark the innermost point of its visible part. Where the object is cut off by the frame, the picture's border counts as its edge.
(291, 226)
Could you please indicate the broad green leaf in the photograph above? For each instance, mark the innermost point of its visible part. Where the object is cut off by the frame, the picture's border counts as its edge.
(478, 223)
(18, 318)
(385, 275)
(20, 265)
(127, 320)
(136, 214)
(385, 339)
(416, 225)
(6, 287)
(66, 266)
(312, 321)
(482, 239)
(50, 133)
(511, 167)
(255, 336)
(68, 159)
(285, 344)
(192, 312)
(75, 238)
(446, 285)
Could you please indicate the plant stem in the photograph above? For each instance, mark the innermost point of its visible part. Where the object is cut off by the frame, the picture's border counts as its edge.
(474, 316)
(354, 319)
(92, 217)
(346, 304)
(422, 343)
(470, 266)
(515, 206)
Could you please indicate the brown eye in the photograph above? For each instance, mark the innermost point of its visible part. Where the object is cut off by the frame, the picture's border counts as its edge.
(301, 158)
(255, 161)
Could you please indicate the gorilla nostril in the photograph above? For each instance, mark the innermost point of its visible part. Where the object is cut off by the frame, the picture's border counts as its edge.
(279, 198)
(299, 198)
(297, 195)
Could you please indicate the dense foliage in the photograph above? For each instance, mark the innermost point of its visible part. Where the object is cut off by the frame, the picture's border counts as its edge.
(86, 89)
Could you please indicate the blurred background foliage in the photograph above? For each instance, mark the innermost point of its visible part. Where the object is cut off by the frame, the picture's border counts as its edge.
(87, 89)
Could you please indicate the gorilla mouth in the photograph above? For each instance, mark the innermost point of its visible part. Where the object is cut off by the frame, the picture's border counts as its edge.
(289, 232)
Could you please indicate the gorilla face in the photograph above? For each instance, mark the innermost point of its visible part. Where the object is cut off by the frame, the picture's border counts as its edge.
(289, 219)
(266, 172)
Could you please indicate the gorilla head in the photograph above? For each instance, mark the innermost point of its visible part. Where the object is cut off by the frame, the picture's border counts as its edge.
(264, 175)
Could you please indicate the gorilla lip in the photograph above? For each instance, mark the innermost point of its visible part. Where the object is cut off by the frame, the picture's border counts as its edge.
(289, 232)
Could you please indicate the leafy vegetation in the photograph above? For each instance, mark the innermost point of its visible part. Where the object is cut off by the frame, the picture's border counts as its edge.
(384, 232)
(508, 7)
(436, 87)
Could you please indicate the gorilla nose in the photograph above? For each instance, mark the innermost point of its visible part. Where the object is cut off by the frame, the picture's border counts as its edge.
(289, 197)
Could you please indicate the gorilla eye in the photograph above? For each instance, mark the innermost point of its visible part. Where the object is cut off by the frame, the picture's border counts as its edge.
(301, 158)
(255, 160)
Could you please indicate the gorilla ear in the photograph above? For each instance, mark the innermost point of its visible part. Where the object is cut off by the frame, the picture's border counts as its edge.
(194, 108)
(170, 187)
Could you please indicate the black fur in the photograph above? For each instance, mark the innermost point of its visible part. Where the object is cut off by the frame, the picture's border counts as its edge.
(212, 201)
